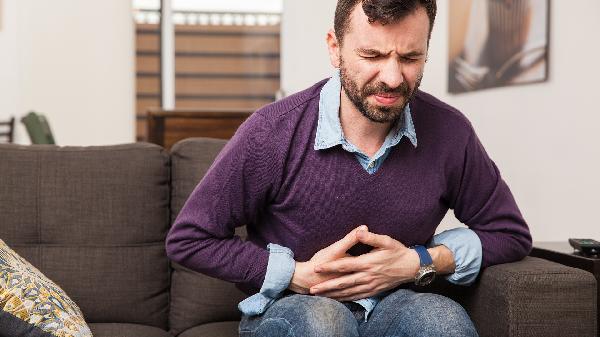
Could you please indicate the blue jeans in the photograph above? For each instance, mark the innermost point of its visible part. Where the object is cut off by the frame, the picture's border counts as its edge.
(401, 313)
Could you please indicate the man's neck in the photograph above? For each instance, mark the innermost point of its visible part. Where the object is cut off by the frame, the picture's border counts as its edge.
(363, 133)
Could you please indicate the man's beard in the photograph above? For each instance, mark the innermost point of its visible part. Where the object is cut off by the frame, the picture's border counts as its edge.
(379, 114)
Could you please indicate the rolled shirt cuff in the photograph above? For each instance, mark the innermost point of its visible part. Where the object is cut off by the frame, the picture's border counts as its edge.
(280, 270)
(466, 248)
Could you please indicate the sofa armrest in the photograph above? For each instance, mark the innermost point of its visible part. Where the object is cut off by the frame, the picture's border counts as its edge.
(532, 297)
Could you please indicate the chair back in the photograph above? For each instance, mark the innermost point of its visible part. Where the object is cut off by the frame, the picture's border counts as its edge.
(7, 130)
(38, 128)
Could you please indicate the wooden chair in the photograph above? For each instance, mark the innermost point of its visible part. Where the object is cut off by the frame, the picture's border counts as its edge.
(7, 130)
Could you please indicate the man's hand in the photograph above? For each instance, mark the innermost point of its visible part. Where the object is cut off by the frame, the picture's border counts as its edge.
(304, 274)
(388, 265)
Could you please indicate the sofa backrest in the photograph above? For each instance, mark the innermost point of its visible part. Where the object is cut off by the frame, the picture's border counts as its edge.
(92, 219)
(196, 298)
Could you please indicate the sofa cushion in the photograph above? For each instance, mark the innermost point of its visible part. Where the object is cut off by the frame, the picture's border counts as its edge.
(190, 159)
(220, 329)
(196, 298)
(33, 305)
(94, 220)
(126, 330)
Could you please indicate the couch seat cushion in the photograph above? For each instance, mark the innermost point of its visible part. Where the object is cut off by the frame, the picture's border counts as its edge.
(126, 330)
(220, 329)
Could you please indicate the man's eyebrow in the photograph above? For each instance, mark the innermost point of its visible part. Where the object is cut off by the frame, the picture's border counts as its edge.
(371, 51)
(413, 54)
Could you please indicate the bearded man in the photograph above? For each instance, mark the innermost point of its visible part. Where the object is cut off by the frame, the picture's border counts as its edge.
(342, 186)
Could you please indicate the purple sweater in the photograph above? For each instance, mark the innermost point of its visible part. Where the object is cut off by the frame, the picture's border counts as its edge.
(270, 178)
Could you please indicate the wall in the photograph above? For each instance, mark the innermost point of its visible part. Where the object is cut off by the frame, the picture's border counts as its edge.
(75, 64)
(304, 57)
(544, 137)
(8, 58)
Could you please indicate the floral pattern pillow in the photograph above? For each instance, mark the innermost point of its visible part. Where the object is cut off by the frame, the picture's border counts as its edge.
(33, 305)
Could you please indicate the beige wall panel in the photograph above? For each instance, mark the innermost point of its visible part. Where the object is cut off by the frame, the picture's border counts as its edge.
(252, 86)
(147, 42)
(143, 104)
(226, 65)
(147, 64)
(148, 85)
(226, 44)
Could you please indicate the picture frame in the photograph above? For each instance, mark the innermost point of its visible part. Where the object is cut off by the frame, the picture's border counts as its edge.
(497, 43)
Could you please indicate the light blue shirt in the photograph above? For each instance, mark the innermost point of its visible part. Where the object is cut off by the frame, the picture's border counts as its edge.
(462, 242)
(330, 134)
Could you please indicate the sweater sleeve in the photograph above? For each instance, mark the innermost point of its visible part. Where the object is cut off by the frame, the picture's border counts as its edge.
(482, 200)
(233, 193)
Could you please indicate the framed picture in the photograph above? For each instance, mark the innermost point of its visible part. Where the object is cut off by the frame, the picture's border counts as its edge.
(496, 43)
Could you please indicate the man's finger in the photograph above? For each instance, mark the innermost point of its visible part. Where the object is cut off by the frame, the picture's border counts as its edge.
(375, 240)
(349, 240)
(351, 294)
(343, 265)
(339, 283)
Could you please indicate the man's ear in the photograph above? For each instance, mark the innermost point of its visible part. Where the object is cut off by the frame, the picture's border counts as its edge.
(334, 49)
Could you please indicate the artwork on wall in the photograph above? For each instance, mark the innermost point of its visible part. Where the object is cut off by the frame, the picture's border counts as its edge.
(496, 43)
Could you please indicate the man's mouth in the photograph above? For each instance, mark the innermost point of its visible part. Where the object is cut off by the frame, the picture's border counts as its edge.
(387, 99)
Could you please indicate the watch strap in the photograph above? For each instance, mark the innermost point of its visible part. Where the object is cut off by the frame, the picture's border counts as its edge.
(424, 256)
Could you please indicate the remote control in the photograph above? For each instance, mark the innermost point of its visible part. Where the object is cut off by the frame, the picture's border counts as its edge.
(586, 246)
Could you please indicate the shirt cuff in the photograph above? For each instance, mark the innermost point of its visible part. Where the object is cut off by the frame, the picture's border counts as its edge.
(280, 270)
(466, 248)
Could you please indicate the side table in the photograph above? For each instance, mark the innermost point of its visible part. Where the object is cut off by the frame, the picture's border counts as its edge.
(563, 253)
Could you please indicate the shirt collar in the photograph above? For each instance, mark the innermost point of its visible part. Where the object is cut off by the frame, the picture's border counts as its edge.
(329, 128)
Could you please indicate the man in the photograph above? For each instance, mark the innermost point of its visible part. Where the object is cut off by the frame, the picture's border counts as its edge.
(342, 186)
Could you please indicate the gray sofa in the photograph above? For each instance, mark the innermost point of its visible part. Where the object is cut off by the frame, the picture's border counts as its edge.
(94, 220)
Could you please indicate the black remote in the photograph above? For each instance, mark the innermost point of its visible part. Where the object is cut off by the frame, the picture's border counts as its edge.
(586, 246)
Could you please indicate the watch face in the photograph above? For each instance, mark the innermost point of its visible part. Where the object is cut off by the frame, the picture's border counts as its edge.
(427, 277)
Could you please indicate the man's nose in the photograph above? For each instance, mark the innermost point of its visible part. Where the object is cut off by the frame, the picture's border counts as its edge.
(391, 73)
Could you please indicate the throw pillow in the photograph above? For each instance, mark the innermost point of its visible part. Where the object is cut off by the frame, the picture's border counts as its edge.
(33, 305)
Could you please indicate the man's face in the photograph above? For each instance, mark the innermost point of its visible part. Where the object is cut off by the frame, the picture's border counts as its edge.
(381, 66)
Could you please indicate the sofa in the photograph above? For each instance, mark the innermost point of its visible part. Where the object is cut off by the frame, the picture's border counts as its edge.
(94, 220)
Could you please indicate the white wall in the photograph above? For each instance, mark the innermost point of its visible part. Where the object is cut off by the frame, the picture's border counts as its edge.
(304, 58)
(75, 64)
(8, 59)
(545, 137)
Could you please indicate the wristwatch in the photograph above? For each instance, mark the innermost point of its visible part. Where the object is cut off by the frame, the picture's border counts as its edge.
(426, 273)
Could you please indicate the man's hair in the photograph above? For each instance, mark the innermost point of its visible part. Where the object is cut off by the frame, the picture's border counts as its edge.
(381, 11)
